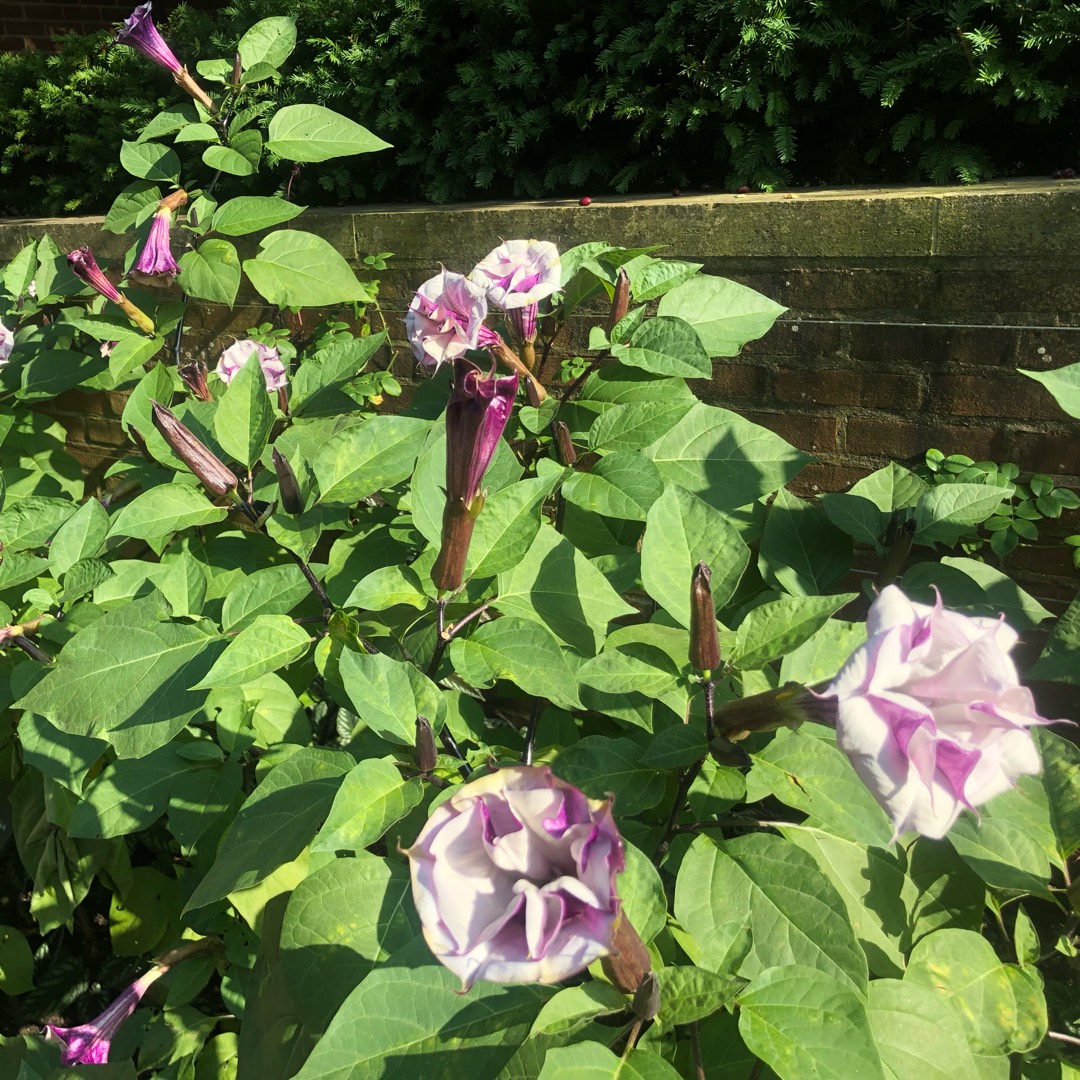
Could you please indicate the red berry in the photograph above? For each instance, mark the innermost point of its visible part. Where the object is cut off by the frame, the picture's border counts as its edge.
(743, 190)
(585, 201)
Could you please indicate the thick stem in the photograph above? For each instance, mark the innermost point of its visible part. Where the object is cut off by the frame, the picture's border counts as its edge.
(695, 1047)
(710, 709)
(455, 628)
(449, 570)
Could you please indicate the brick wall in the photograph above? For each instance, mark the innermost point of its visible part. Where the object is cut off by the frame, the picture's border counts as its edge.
(909, 312)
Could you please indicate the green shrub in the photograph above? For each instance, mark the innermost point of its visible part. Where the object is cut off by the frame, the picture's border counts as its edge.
(500, 98)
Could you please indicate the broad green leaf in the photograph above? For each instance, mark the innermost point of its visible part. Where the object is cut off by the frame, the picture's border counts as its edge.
(164, 510)
(85, 576)
(690, 993)
(555, 584)
(129, 354)
(134, 205)
(942, 890)
(682, 530)
(804, 1022)
(53, 371)
(228, 159)
(765, 885)
(1060, 659)
(507, 526)
(916, 1039)
(725, 314)
(58, 754)
(80, 537)
(368, 457)
(801, 550)
(244, 415)
(169, 120)
(315, 133)
(273, 590)
(570, 1009)
(298, 533)
(300, 269)
(125, 679)
(269, 41)
(19, 272)
(139, 918)
(620, 485)
(650, 278)
(666, 346)
(150, 161)
(211, 272)
(676, 747)
(16, 963)
(639, 669)
(948, 511)
(182, 581)
(778, 627)
(388, 694)
(276, 822)
(267, 643)
(200, 797)
(1002, 851)
(594, 1061)
(198, 133)
(32, 521)
(812, 775)
(387, 587)
(413, 1013)
(252, 213)
(891, 488)
(855, 515)
(635, 425)
(641, 892)
(725, 459)
(603, 766)
(315, 387)
(372, 797)
(1061, 781)
(1000, 1007)
(340, 922)
(823, 654)
(524, 652)
(1063, 384)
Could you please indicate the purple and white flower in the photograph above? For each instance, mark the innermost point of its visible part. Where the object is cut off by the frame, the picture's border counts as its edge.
(931, 712)
(7, 343)
(519, 273)
(514, 878)
(238, 354)
(446, 319)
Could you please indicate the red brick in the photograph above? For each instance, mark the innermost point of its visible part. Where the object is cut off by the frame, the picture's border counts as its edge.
(802, 338)
(889, 437)
(908, 345)
(822, 476)
(1045, 452)
(1042, 350)
(814, 434)
(984, 346)
(105, 433)
(866, 388)
(979, 395)
(734, 382)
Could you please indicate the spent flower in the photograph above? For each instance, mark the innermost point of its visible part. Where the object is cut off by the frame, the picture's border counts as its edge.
(215, 475)
(155, 264)
(931, 712)
(514, 875)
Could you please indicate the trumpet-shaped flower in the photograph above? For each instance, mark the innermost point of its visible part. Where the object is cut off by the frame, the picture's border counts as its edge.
(140, 33)
(446, 319)
(155, 264)
(514, 875)
(931, 712)
(85, 266)
(519, 273)
(239, 353)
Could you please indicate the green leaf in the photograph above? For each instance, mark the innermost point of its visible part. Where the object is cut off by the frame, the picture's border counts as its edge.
(269, 41)
(1060, 658)
(300, 269)
(555, 584)
(169, 120)
(267, 643)
(125, 679)
(1061, 781)
(341, 921)
(314, 389)
(80, 537)
(368, 457)
(274, 590)
(823, 654)
(812, 775)
(570, 1008)
(51, 372)
(134, 205)
(386, 587)
(778, 627)
(164, 510)
(726, 460)
(228, 159)
(388, 694)
(639, 669)
(315, 133)
(635, 425)
(507, 526)
(524, 652)
(129, 354)
(372, 797)
(666, 346)
(676, 747)
(252, 213)
(413, 1013)
(59, 755)
(1000, 1008)
(688, 994)
(891, 488)
(211, 272)
(150, 161)
(276, 822)
(32, 521)
(602, 766)
(855, 515)
(641, 892)
(801, 550)
(682, 530)
(764, 884)
(244, 415)
(803, 1022)
(198, 133)
(724, 313)
(16, 962)
(1063, 384)
(948, 511)
(594, 1061)
(621, 485)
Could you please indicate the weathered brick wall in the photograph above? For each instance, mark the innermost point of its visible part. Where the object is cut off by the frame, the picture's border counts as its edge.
(909, 312)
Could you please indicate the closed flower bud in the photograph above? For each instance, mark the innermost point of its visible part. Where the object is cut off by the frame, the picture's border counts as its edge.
(620, 302)
(291, 499)
(424, 753)
(567, 453)
(704, 638)
(646, 1003)
(215, 476)
(193, 375)
(629, 962)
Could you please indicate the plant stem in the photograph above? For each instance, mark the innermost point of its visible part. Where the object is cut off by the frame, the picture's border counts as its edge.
(530, 732)
(695, 1046)
(441, 640)
(1072, 1040)
(670, 828)
(710, 709)
(455, 628)
(449, 744)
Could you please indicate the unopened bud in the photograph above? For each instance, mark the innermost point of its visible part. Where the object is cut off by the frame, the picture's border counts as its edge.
(629, 963)
(567, 453)
(291, 499)
(704, 638)
(646, 1003)
(215, 476)
(193, 375)
(425, 754)
(620, 302)
(237, 69)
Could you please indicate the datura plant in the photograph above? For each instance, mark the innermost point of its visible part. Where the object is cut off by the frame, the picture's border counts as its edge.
(525, 724)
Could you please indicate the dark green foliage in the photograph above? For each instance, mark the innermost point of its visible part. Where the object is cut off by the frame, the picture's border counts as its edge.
(501, 98)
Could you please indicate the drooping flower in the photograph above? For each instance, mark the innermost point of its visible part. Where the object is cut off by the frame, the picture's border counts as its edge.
(88, 1044)
(7, 343)
(238, 354)
(446, 319)
(476, 415)
(140, 33)
(513, 877)
(155, 264)
(85, 266)
(931, 712)
(519, 273)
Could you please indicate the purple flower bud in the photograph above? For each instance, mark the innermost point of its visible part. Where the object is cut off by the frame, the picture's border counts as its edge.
(513, 877)
(193, 375)
(519, 273)
(446, 319)
(140, 33)
(523, 320)
(85, 266)
(88, 1044)
(620, 302)
(238, 354)
(704, 638)
(216, 477)
(292, 501)
(155, 264)
(931, 712)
